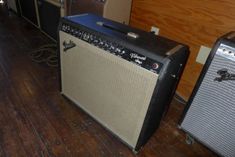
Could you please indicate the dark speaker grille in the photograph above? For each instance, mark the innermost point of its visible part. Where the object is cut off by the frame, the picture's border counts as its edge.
(211, 116)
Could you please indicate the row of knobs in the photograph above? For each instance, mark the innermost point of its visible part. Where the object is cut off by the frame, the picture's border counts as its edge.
(108, 46)
(230, 52)
(94, 40)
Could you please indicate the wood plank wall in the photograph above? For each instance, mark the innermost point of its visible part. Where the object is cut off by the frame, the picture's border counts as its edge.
(193, 22)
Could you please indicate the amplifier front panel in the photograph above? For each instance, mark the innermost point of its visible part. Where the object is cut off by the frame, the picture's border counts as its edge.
(211, 116)
(114, 91)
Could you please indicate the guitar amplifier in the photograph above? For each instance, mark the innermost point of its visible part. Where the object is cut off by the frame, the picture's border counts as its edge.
(122, 77)
(13, 5)
(28, 9)
(210, 113)
(49, 15)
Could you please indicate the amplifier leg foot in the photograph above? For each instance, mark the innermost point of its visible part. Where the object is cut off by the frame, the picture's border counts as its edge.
(135, 151)
(189, 139)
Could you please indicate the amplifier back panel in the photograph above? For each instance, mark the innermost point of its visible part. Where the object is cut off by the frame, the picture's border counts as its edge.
(117, 10)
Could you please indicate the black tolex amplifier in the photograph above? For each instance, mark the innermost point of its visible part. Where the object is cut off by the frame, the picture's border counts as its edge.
(122, 77)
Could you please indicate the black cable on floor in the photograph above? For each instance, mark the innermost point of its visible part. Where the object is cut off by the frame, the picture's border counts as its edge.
(45, 54)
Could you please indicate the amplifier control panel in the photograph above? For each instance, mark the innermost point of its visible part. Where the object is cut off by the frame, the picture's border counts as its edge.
(113, 48)
(226, 51)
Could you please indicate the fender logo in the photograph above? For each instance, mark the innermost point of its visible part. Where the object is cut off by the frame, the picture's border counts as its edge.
(224, 75)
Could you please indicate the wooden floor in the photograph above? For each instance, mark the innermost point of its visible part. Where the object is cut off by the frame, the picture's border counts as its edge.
(36, 121)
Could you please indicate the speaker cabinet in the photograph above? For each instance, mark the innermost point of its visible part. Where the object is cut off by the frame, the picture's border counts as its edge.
(210, 114)
(113, 91)
(49, 15)
(29, 11)
(112, 77)
(13, 5)
(117, 10)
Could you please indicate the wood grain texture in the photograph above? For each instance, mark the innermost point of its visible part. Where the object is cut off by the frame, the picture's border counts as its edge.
(194, 22)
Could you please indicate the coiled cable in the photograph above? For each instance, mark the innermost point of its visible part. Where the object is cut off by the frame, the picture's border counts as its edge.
(45, 54)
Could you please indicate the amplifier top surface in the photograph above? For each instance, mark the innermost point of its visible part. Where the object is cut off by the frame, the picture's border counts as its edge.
(145, 42)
